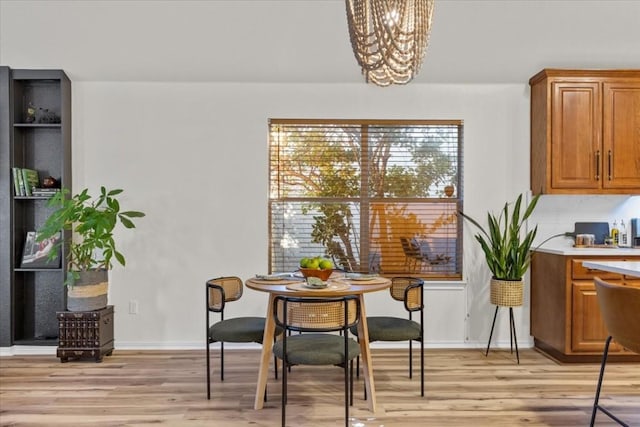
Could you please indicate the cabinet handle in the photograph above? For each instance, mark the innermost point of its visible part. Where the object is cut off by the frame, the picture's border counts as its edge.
(609, 161)
(598, 165)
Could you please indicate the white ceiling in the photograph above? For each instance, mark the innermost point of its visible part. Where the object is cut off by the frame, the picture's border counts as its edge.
(481, 41)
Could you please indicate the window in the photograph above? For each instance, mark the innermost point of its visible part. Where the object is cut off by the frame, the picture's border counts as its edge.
(356, 190)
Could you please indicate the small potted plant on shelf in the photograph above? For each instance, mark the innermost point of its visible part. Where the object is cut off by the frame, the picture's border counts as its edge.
(92, 220)
(507, 250)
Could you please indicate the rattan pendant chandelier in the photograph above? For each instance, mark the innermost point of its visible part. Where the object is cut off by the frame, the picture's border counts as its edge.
(389, 37)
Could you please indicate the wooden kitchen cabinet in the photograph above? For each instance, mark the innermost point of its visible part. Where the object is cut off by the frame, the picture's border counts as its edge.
(621, 134)
(587, 330)
(585, 132)
(565, 316)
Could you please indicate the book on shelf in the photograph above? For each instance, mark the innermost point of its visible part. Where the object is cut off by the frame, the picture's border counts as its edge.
(31, 179)
(17, 178)
(25, 180)
(36, 254)
(20, 175)
(39, 191)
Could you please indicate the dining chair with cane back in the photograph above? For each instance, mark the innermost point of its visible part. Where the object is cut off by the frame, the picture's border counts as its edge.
(620, 309)
(317, 320)
(409, 290)
(221, 291)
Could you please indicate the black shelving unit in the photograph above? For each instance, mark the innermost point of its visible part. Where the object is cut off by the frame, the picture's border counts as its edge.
(31, 297)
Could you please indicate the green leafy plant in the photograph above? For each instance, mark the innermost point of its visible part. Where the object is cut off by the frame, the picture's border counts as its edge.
(93, 220)
(506, 248)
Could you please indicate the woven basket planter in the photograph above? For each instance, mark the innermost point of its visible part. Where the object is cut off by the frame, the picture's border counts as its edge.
(507, 293)
(89, 292)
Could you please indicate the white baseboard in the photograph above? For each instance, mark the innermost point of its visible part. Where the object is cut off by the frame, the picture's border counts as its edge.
(28, 350)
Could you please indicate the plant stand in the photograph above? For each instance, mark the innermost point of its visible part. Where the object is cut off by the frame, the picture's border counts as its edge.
(84, 334)
(512, 333)
(506, 293)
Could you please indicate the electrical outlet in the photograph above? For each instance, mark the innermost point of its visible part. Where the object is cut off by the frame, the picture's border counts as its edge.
(133, 306)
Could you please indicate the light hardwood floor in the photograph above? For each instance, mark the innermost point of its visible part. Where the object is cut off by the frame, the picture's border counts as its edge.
(463, 388)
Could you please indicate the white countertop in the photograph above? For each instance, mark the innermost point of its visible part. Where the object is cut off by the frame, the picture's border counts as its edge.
(571, 251)
(630, 268)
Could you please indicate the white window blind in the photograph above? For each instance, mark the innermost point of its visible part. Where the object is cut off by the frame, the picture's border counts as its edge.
(354, 190)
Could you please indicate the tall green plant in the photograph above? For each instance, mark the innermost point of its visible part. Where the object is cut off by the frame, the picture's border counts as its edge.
(506, 249)
(93, 220)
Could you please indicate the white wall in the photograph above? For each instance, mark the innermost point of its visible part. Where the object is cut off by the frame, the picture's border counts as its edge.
(193, 156)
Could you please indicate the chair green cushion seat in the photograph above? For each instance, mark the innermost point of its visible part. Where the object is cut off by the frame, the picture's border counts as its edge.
(383, 328)
(239, 329)
(316, 349)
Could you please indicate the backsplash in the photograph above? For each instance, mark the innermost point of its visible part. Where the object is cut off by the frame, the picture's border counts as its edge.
(557, 214)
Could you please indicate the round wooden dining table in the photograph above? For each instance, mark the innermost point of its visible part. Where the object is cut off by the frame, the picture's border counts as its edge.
(338, 285)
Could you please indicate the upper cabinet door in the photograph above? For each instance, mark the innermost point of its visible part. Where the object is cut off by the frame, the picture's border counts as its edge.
(576, 155)
(621, 135)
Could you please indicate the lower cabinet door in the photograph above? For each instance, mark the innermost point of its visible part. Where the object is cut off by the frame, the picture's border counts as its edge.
(588, 331)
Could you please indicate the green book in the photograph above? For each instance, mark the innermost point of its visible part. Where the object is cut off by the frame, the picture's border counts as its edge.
(20, 182)
(31, 179)
(17, 175)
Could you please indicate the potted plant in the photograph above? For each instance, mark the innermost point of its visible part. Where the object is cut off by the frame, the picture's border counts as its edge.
(507, 250)
(92, 219)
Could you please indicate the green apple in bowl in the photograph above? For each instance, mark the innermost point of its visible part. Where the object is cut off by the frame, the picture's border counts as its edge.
(313, 263)
(325, 264)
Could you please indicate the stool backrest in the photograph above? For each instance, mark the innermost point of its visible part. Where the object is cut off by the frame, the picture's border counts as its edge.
(620, 307)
